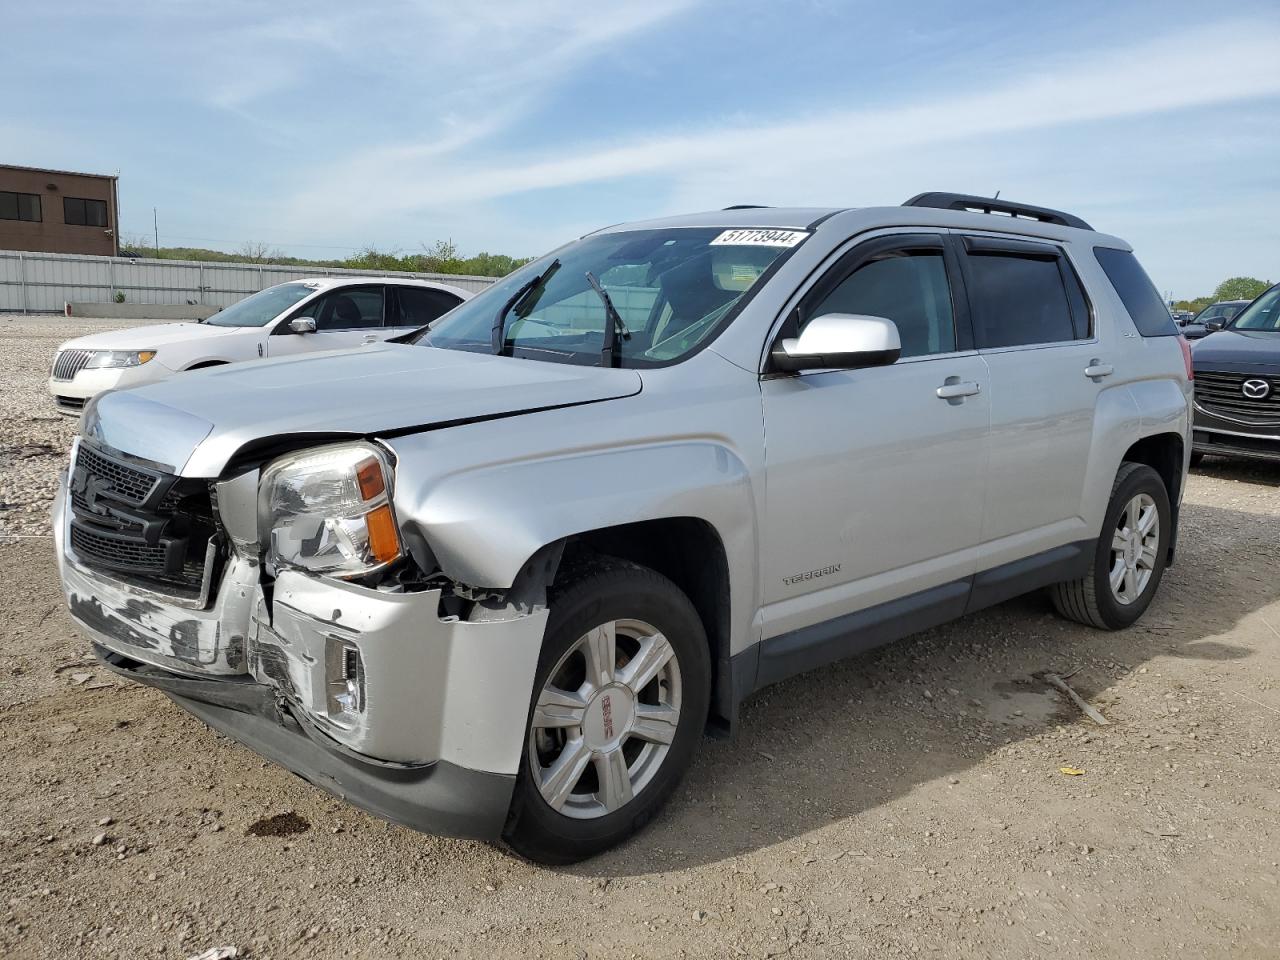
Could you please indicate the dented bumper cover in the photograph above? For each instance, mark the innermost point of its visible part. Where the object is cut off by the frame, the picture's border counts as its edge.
(437, 736)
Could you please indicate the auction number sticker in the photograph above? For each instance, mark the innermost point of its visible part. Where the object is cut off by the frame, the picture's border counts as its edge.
(759, 238)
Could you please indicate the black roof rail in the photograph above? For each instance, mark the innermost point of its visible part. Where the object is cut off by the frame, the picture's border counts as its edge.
(965, 201)
(747, 206)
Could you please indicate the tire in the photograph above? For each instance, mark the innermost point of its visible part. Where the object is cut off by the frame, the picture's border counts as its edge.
(1196, 457)
(619, 728)
(1092, 599)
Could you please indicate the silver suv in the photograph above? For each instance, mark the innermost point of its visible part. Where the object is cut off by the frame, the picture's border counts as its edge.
(496, 579)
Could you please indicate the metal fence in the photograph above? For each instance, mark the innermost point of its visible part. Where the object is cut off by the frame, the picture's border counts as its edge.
(46, 282)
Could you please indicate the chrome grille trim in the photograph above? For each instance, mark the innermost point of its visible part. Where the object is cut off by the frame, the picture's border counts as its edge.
(70, 362)
(1221, 394)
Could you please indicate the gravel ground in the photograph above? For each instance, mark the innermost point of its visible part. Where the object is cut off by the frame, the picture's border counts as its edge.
(34, 437)
(906, 803)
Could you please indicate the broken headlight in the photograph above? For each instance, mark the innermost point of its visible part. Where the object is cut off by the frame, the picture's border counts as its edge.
(328, 510)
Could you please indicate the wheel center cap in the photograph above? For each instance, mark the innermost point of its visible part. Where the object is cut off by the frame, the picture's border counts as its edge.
(608, 717)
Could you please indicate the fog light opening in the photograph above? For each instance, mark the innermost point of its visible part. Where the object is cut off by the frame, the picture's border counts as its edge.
(344, 681)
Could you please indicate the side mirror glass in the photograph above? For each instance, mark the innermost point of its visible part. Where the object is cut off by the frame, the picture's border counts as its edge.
(844, 341)
(1214, 325)
(303, 325)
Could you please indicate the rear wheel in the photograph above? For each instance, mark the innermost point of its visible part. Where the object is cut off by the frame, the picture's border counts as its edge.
(1129, 559)
(620, 703)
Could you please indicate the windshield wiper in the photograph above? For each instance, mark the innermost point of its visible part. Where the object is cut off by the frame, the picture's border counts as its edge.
(497, 337)
(610, 356)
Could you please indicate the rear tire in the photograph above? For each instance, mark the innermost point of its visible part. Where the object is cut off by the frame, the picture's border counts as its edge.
(619, 705)
(1129, 559)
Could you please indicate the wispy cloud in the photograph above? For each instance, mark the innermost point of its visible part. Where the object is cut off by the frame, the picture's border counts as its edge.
(772, 158)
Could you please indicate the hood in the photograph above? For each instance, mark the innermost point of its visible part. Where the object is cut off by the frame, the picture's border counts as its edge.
(1238, 351)
(195, 423)
(152, 337)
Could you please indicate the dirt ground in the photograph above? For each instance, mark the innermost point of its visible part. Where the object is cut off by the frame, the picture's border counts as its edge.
(906, 803)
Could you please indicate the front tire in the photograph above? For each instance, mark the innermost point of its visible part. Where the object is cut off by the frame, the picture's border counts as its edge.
(1129, 559)
(619, 705)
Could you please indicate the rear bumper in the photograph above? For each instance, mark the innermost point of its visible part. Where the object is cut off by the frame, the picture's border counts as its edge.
(440, 797)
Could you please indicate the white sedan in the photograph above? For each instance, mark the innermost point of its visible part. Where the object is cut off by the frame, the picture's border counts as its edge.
(290, 318)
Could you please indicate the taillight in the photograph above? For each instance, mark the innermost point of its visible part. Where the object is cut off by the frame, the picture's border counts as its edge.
(1186, 356)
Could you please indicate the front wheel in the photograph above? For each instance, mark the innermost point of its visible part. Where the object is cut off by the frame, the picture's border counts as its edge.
(620, 702)
(1129, 559)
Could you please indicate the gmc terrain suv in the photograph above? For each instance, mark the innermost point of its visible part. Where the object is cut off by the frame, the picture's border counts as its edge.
(496, 579)
(1237, 387)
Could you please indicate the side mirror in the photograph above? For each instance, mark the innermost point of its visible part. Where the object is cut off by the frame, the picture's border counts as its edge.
(303, 325)
(1213, 326)
(840, 341)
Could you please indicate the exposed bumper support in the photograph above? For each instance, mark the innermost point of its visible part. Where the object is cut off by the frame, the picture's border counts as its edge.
(440, 798)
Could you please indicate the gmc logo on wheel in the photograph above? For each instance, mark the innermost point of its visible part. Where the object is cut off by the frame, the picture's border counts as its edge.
(606, 714)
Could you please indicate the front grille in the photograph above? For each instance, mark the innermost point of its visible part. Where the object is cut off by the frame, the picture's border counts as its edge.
(116, 552)
(70, 362)
(131, 484)
(149, 526)
(1223, 393)
(70, 403)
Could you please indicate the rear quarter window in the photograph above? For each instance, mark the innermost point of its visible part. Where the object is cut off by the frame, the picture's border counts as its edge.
(1136, 292)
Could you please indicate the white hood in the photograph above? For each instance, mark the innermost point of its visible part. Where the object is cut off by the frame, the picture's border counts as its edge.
(152, 337)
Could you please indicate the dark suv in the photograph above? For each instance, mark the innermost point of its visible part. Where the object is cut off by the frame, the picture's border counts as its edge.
(1237, 384)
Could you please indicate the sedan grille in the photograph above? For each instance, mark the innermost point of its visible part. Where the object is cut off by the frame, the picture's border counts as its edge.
(1225, 394)
(70, 362)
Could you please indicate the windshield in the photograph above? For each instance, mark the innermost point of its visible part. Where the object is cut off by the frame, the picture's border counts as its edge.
(1262, 314)
(673, 290)
(1218, 311)
(263, 307)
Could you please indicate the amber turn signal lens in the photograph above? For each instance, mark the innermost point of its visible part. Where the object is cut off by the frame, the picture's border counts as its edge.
(369, 478)
(145, 355)
(384, 543)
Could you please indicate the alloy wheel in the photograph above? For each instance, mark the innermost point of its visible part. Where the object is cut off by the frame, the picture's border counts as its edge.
(605, 719)
(1135, 545)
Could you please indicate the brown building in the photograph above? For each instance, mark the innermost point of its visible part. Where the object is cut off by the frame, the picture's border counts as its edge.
(55, 211)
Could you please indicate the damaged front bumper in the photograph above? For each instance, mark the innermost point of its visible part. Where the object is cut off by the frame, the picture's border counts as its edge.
(371, 695)
(440, 798)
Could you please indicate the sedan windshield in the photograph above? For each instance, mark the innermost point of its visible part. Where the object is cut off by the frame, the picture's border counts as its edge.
(263, 307)
(673, 291)
(1262, 314)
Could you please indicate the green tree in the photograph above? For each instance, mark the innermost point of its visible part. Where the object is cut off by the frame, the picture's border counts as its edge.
(1240, 288)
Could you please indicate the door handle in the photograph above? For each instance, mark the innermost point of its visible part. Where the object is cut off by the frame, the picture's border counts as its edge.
(370, 338)
(1096, 370)
(954, 390)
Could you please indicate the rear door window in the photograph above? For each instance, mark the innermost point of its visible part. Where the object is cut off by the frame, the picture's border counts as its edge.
(1018, 293)
(1136, 292)
(421, 305)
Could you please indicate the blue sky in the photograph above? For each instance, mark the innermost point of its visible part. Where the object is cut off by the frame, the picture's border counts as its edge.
(510, 126)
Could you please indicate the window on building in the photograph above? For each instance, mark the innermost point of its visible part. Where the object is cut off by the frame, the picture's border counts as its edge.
(20, 206)
(84, 213)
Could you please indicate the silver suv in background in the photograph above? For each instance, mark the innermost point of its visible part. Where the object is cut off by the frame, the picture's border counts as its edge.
(495, 580)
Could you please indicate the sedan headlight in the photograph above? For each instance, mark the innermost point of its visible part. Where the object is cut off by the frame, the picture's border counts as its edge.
(110, 359)
(328, 510)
